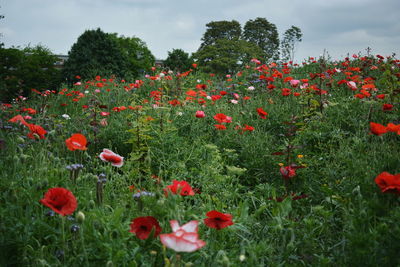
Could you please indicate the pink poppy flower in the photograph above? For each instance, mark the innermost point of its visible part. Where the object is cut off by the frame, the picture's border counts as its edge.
(200, 114)
(352, 85)
(294, 83)
(183, 238)
(109, 156)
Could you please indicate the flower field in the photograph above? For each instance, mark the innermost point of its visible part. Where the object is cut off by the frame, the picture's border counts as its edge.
(276, 165)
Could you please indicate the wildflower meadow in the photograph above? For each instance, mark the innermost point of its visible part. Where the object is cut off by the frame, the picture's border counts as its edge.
(278, 164)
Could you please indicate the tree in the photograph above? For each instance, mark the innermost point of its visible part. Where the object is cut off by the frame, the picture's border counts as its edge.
(226, 56)
(264, 34)
(178, 60)
(138, 55)
(96, 53)
(230, 30)
(291, 37)
(25, 69)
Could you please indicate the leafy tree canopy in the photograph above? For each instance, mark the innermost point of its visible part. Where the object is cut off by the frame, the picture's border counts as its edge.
(96, 53)
(178, 60)
(265, 35)
(139, 56)
(291, 37)
(25, 69)
(216, 30)
(224, 47)
(226, 56)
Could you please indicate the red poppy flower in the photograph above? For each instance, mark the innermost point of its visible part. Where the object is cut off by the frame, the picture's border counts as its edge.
(220, 126)
(215, 97)
(191, 93)
(76, 142)
(381, 96)
(288, 172)
(388, 183)
(19, 119)
(201, 86)
(29, 110)
(222, 118)
(360, 96)
(391, 127)
(60, 200)
(246, 128)
(218, 220)
(286, 91)
(262, 113)
(36, 129)
(109, 156)
(387, 107)
(142, 227)
(377, 129)
(174, 102)
(179, 187)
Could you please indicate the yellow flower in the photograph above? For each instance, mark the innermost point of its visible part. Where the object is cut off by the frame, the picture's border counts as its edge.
(281, 164)
(300, 156)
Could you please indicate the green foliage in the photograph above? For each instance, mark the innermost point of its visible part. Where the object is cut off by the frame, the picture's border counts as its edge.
(96, 53)
(178, 60)
(291, 37)
(216, 30)
(226, 56)
(331, 213)
(225, 48)
(26, 69)
(139, 57)
(265, 35)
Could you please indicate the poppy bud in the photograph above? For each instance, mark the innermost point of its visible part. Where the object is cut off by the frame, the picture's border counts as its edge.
(92, 204)
(21, 140)
(80, 217)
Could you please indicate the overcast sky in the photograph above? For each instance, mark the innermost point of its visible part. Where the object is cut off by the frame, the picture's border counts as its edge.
(339, 26)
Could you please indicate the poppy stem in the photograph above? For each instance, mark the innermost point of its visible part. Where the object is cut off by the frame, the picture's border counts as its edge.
(63, 235)
(286, 186)
(99, 192)
(83, 246)
(370, 112)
